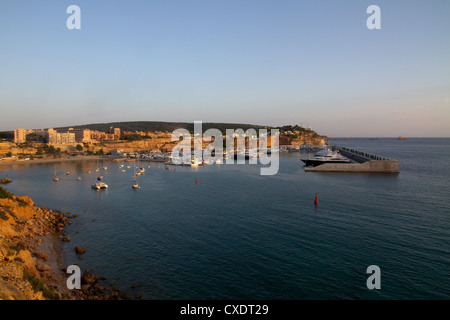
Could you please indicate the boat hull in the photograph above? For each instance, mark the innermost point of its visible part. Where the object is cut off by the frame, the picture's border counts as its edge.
(315, 163)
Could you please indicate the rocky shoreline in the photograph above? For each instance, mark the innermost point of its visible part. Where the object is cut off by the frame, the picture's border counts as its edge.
(31, 259)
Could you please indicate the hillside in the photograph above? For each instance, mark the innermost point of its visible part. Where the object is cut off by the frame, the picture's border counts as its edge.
(162, 126)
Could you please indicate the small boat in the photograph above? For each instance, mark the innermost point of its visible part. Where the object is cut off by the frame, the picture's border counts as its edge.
(105, 168)
(79, 178)
(67, 173)
(123, 170)
(135, 184)
(99, 178)
(55, 178)
(128, 167)
(194, 163)
(100, 185)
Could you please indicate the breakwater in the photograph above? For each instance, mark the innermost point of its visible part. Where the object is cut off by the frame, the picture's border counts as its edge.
(361, 162)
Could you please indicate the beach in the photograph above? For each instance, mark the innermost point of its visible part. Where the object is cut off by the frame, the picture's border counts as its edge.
(55, 160)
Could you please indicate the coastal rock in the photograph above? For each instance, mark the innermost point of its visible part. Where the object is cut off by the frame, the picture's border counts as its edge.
(28, 262)
(29, 266)
(80, 250)
(99, 288)
(10, 292)
(125, 296)
(42, 255)
(89, 278)
(5, 180)
(7, 225)
(43, 267)
(26, 200)
(85, 287)
(20, 210)
(66, 239)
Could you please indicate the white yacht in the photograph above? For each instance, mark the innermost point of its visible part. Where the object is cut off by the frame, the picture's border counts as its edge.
(100, 185)
(135, 185)
(325, 156)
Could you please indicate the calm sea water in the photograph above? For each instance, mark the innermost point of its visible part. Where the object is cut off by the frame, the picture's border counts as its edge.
(239, 235)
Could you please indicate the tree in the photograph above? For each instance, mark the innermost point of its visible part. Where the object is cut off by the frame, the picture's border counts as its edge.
(79, 147)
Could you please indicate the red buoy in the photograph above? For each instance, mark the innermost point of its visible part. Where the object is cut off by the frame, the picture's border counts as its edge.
(174, 169)
(195, 181)
(316, 202)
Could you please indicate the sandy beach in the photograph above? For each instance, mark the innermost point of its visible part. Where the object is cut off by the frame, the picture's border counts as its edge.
(56, 160)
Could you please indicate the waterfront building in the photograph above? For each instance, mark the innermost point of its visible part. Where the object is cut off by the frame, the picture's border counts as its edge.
(20, 135)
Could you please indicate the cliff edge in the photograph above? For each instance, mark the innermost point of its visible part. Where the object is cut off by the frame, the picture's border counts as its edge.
(30, 257)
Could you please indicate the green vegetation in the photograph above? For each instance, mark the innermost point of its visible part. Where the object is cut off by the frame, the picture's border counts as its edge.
(134, 137)
(5, 194)
(19, 246)
(79, 147)
(163, 126)
(3, 215)
(51, 150)
(38, 285)
(7, 135)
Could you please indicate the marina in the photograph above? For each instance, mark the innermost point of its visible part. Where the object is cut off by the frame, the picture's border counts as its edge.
(345, 159)
(239, 235)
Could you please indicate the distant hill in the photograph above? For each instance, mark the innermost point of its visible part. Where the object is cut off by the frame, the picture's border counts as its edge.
(162, 126)
(169, 126)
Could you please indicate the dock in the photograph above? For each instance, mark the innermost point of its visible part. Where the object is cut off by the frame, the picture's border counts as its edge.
(360, 162)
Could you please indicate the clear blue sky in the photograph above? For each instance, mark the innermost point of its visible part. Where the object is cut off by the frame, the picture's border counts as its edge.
(250, 61)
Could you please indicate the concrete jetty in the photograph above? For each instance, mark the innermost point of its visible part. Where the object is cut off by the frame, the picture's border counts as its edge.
(361, 162)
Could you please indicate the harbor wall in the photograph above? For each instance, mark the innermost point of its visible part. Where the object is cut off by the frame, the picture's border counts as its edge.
(381, 166)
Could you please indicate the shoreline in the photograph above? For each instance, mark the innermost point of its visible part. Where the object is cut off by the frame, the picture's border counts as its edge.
(53, 160)
(32, 258)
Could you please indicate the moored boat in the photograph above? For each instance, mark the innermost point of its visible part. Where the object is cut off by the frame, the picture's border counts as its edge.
(325, 156)
(99, 185)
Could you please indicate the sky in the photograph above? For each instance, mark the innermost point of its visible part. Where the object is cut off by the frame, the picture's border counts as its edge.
(263, 62)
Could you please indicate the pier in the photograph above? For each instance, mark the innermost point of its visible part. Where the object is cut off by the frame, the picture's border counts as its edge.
(360, 162)
(358, 155)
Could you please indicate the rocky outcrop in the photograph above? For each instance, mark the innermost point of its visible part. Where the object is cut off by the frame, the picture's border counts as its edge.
(24, 272)
(5, 180)
(309, 138)
(30, 257)
(80, 250)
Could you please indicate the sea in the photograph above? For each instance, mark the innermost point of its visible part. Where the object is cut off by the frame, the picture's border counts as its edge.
(227, 232)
